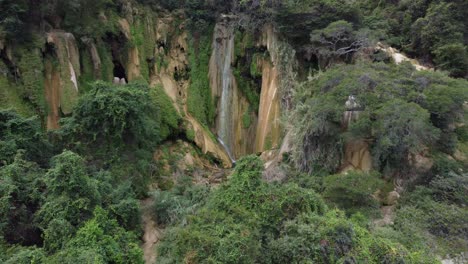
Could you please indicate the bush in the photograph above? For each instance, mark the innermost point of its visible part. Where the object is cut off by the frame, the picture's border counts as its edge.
(101, 240)
(169, 119)
(19, 133)
(354, 191)
(20, 197)
(401, 129)
(109, 117)
(385, 94)
(171, 207)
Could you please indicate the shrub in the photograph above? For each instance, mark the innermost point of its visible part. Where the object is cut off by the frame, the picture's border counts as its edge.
(110, 117)
(353, 191)
(19, 133)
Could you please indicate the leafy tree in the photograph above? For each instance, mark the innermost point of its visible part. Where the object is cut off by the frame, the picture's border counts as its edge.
(353, 191)
(386, 94)
(248, 220)
(101, 240)
(110, 116)
(27, 256)
(20, 198)
(71, 194)
(19, 133)
(452, 58)
(12, 16)
(401, 129)
(316, 135)
(337, 40)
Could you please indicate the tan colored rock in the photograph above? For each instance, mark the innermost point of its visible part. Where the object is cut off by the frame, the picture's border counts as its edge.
(459, 156)
(52, 94)
(388, 216)
(420, 162)
(392, 198)
(269, 113)
(399, 57)
(95, 59)
(133, 64)
(207, 143)
(188, 159)
(62, 90)
(231, 105)
(268, 126)
(357, 156)
(125, 28)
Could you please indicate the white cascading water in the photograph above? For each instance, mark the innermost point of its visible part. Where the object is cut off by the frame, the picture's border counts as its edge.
(225, 116)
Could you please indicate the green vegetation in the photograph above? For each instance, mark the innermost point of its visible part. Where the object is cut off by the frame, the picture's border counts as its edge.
(199, 100)
(81, 205)
(169, 119)
(403, 112)
(353, 191)
(249, 221)
(246, 120)
(72, 195)
(432, 215)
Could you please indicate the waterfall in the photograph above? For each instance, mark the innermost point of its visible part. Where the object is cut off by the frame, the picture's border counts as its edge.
(225, 115)
(223, 82)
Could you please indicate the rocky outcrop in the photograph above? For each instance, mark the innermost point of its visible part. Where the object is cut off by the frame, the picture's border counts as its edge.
(356, 156)
(207, 143)
(52, 94)
(61, 84)
(95, 58)
(399, 57)
(268, 133)
(172, 51)
(231, 104)
(356, 151)
(133, 62)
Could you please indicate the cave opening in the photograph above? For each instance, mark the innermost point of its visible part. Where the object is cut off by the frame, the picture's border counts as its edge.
(119, 70)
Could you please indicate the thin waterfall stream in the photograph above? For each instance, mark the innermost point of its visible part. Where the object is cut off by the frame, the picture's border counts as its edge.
(225, 126)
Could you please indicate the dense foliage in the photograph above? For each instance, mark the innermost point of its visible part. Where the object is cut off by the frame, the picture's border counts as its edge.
(71, 195)
(79, 205)
(249, 221)
(402, 111)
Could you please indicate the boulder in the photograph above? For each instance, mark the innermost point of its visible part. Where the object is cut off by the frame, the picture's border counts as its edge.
(392, 198)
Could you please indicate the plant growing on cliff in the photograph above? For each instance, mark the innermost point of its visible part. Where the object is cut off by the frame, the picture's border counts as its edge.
(199, 101)
(387, 93)
(111, 116)
(401, 129)
(337, 40)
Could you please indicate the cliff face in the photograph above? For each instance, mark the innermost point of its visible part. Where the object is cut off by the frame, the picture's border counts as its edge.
(231, 103)
(269, 128)
(61, 82)
(154, 47)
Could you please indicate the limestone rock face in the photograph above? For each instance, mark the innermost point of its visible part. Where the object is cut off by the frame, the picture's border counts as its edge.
(399, 57)
(392, 198)
(133, 62)
(231, 104)
(268, 133)
(357, 156)
(95, 58)
(421, 162)
(61, 85)
(173, 51)
(207, 144)
(52, 95)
